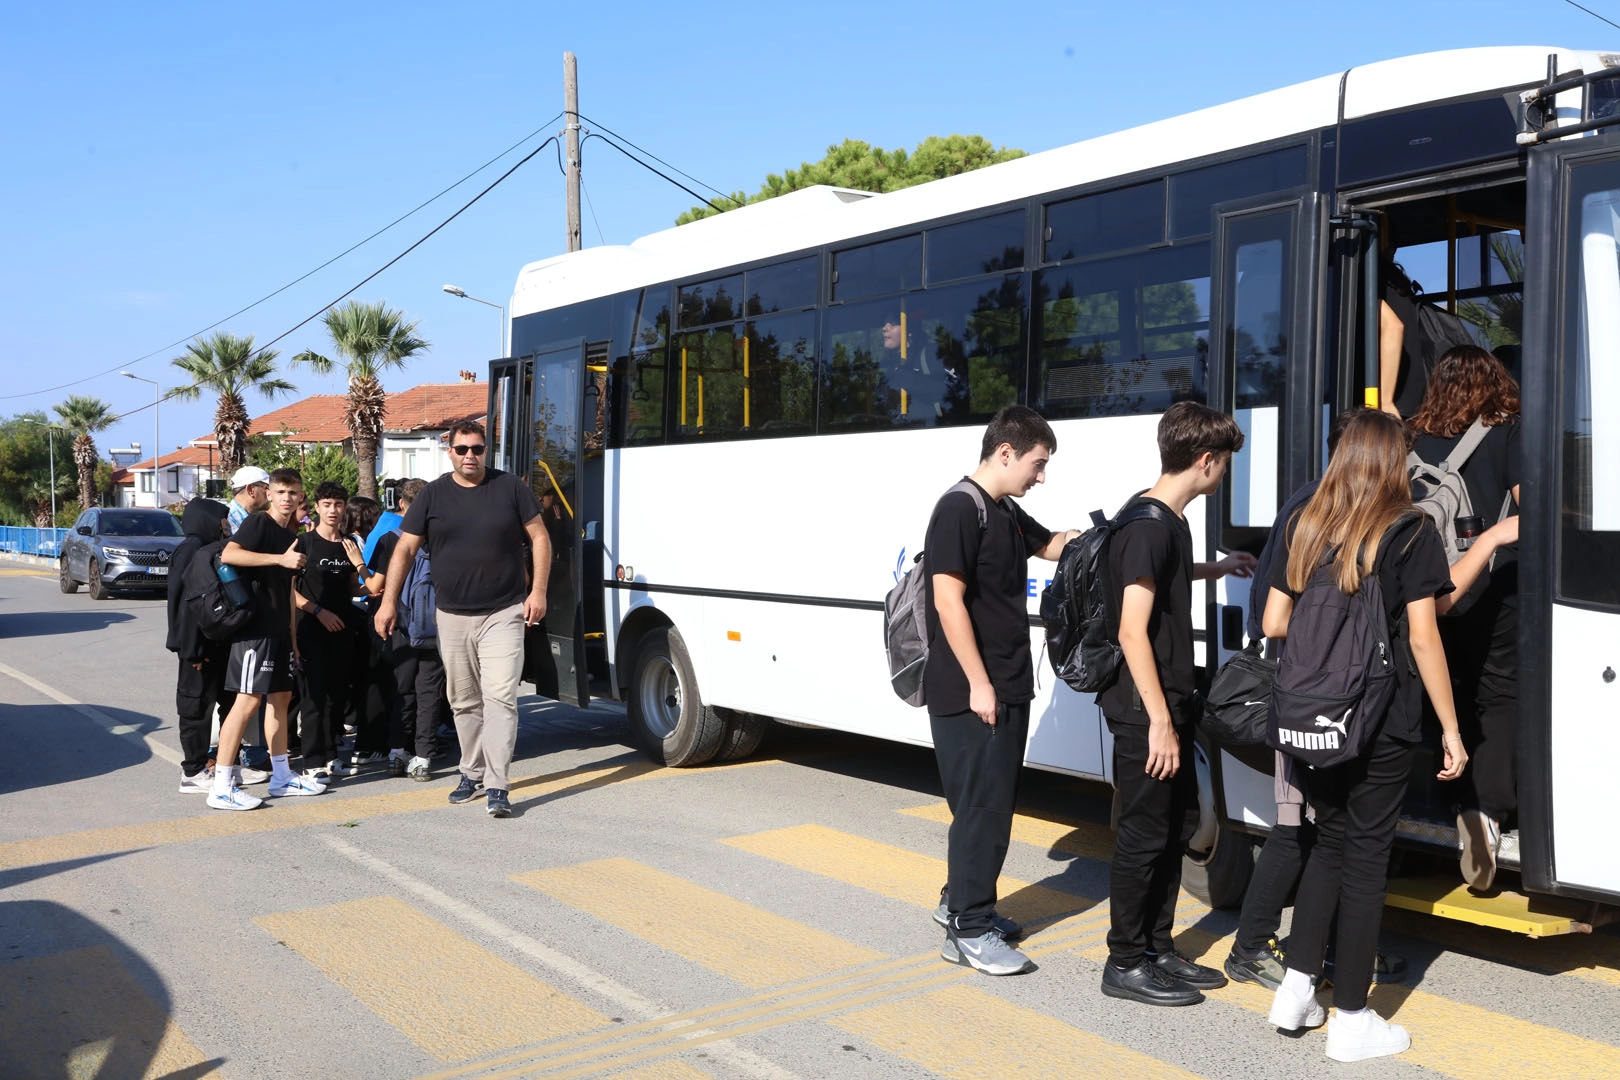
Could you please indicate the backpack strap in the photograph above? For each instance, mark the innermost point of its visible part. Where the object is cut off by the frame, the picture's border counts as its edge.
(1465, 448)
(978, 499)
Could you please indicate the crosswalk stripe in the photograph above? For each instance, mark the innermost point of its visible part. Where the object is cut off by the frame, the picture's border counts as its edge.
(726, 935)
(965, 1033)
(895, 872)
(476, 1004)
(1085, 839)
(664, 1070)
(83, 1010)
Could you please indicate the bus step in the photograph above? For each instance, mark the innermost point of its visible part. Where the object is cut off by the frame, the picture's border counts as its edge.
(1536, 916)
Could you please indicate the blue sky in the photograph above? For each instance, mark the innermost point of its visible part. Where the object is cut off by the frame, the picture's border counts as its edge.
(168, 164)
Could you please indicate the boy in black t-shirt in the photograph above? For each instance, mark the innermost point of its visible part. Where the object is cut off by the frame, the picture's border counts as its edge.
(264, 551)
(979, 679)
(329, 631)
(1151, 710)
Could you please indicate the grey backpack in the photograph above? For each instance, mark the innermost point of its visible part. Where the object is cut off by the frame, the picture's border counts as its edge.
(905, 619)
(1439, 491)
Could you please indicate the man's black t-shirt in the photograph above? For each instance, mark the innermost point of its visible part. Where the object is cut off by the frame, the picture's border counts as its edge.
(1491, 472)
(328, 577)
(271, 584)
(1150, 548)
(1411, 565)
(993, 563)
(475, 537)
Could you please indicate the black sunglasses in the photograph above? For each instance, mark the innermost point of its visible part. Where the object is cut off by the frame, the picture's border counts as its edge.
(463, 451)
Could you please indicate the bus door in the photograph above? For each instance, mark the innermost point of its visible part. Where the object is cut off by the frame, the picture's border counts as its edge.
(555, 659)
(1569, 570)
(502, 417)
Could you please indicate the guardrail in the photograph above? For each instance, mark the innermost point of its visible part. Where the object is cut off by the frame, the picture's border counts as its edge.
(43, 542)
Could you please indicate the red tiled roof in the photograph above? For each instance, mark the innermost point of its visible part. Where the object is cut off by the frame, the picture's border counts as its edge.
(315, 419)
(436, 405)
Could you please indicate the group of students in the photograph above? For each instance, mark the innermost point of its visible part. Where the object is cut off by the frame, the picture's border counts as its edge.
(1455, 622)
(309, 663)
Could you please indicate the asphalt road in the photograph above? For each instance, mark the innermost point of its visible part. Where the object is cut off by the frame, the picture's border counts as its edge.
(768, 919)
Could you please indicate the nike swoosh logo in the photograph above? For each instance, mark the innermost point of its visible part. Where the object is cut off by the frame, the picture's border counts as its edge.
(1254, 703)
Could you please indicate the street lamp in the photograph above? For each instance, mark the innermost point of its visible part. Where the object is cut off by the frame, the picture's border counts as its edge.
(157, 445)
(50, 437)
(455, 290)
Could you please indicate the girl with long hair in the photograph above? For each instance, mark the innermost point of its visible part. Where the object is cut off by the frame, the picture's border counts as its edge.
(1362, 521)
(1481, 636)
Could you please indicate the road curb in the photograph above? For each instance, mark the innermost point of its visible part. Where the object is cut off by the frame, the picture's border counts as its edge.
(12, 558)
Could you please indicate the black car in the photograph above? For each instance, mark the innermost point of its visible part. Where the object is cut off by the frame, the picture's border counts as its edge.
(119, 548)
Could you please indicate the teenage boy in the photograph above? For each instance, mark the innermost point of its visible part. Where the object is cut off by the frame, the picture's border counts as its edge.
(419, 704)
(329, 630)
(980, 678)
(1151, 709)
(265, 553)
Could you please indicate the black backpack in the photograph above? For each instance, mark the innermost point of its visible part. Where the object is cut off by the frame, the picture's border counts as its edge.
(1238, 706)
(1079, 609)
(221, 610)
(1336, 677)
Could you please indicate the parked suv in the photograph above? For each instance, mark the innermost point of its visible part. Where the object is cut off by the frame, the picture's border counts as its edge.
(119, 548)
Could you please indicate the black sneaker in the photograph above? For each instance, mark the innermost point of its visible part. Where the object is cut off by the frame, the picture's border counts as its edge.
(1178, 967)
(466, 791)
(497, 805)
(1147, 983)
(1264, 968)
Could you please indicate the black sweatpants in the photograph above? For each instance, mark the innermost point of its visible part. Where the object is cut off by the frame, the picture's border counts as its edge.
(419, 684)
(1156, 819)
(1276, 872)
(329, 671)
(197, 693)
(1482, 651)
(979, 768)
(1357, 807)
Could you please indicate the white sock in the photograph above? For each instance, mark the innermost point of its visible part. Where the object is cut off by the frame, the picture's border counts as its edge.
(1297, 983)
(223, 780)
(1356, 1018)
(278, 767)
(398, 752)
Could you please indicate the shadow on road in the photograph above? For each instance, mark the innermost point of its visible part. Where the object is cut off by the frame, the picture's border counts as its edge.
(52, 623)
(54, 744)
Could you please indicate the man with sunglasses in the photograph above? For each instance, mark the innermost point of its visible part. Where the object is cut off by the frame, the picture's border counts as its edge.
(474, 522)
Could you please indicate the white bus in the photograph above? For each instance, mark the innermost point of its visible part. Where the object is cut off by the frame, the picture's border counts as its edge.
(735, 472)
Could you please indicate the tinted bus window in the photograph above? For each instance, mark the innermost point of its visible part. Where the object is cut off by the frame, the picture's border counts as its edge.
(1123, 336)
(705, 302)
(974, 333)
(639, 390)
(1130, 217)
(779, 360)
(892, 266)
(972, 248)
(1194, 194)
(783, 287)
(651, 326)
(707, 367)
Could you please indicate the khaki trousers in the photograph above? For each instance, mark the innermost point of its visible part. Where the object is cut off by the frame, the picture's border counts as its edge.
(483, 660)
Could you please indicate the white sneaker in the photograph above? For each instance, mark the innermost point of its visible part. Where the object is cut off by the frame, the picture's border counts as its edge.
(200, 784)
(234, 799)
(246, 775)
(295, 784)
(337, 770)
(420, 768)
(1372, 1037)
(1290, 1013)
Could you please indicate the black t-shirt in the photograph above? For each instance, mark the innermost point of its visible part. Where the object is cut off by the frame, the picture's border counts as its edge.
(994, 564)
(1411, 565)
(1411, 379)
(1491, 472)
(328, 577)
(271, 584)
(1260, 591)
(475, 537)
(1150, 548)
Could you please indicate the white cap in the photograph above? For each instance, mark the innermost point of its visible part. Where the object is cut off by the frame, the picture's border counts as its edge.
(248, 475)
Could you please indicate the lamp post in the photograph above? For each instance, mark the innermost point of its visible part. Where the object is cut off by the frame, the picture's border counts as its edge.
(455, 290)
(157, 444)
(50, 437)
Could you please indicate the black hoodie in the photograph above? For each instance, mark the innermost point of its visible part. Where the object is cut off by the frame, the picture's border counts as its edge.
(201, 526)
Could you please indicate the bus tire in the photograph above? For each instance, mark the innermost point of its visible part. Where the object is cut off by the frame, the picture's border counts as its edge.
(744, 733)
(667, 716)
(1221, 877)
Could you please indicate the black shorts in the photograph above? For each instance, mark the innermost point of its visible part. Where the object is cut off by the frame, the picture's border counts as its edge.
(259, 665)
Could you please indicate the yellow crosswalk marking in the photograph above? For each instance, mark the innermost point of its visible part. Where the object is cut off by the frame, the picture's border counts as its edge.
(664, 1070)
(895, 872)
(749, 944)
(966, 1033)
(488, 1004)
(1086, 839)
(81, 1014)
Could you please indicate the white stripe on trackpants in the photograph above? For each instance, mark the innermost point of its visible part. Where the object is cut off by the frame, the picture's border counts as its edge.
(483, 660)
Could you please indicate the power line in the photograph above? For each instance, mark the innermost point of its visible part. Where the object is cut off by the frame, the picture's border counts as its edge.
(357, 285)
(658, 159)
(296, 280)
(592, 208)
(649, 168)
(1592, 13)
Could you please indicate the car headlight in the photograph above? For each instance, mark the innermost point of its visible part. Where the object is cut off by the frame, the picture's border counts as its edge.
(115, 553)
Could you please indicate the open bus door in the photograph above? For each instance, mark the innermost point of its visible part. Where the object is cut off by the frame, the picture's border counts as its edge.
(1569, 630)
(553, 451)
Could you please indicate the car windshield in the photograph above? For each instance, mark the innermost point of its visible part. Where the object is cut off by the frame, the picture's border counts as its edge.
(134, 523)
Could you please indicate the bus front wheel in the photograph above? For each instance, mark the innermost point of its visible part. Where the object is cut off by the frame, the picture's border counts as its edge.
(667, 716)
(1219, 878)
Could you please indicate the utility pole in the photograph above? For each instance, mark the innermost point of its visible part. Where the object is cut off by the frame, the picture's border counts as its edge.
(571, 114)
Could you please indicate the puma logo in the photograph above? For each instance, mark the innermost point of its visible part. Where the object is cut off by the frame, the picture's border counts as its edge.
(1340, 724)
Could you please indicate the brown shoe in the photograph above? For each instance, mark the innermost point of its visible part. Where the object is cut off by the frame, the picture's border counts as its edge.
(1481, 839)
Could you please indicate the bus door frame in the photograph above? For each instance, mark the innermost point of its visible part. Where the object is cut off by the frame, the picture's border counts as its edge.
(505, 414)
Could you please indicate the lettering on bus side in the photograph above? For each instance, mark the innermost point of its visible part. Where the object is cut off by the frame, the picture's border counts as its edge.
(1035, 585)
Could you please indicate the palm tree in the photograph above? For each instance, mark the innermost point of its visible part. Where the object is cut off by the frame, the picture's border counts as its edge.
(368, 338)
(228, 365)
(83, 416)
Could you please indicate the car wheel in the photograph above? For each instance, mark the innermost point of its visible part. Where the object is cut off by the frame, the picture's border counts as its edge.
(667, 716)
(98, 588)
(65, 578)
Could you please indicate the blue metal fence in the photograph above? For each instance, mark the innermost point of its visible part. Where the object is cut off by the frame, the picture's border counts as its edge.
(18, 541)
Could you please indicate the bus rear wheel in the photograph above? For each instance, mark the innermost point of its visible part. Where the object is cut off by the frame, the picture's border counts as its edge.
(667, 716)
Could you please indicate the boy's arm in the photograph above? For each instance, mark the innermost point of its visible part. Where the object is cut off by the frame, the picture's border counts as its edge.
(1136, 609)
(237, 555)
(1238, 564)
(950, 601)
(1054, 547)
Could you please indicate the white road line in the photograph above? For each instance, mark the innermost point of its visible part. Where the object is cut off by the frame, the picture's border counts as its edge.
(91, 713)
(628, 1000)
